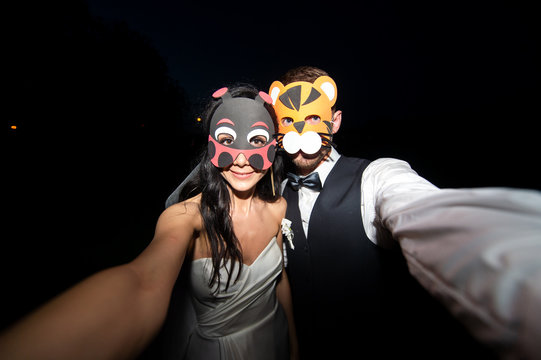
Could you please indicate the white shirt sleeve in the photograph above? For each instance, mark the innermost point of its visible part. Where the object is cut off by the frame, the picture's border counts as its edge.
(381, 179)
(477, 250)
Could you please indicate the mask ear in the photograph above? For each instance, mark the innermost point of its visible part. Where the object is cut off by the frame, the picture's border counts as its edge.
(328, 86)
(275, 89)
(263, 97)
(222, 93)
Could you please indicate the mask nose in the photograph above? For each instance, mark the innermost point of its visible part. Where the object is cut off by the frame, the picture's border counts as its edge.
(299, 126)
(241, 160)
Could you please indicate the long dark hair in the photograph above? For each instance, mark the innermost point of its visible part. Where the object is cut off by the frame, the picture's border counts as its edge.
(215, 201)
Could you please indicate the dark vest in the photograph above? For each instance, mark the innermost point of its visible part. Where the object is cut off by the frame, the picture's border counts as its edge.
(352, 298)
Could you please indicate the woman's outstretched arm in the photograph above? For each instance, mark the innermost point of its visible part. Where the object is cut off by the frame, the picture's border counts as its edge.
(114, 313)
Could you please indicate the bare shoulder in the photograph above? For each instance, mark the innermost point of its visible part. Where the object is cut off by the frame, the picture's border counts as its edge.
(183, 214)
(278, 208)
(189, 207)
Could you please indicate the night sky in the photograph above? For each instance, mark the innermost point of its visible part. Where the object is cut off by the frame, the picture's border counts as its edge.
(103, 97)
(451, 87)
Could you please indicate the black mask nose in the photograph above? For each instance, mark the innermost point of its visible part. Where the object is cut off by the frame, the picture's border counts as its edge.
(299, 126)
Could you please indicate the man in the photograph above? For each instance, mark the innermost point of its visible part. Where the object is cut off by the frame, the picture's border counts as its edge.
(359, 226)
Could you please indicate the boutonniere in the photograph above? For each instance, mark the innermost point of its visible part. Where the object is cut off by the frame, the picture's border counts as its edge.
(288, 232)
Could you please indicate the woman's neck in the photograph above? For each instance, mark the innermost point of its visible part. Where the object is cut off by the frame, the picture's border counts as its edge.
(241, 201)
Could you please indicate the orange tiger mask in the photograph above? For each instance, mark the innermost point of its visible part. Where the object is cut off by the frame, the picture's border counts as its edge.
(304, 114)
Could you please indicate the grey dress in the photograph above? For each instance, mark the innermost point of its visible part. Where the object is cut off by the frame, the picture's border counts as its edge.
(244, 322)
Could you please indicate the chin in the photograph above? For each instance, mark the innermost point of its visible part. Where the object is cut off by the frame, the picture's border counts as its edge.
(308, 162)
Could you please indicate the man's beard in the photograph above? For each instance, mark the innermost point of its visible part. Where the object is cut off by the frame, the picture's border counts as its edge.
(305, 164)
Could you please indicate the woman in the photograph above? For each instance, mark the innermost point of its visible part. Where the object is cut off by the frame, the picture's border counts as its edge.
(229, 228)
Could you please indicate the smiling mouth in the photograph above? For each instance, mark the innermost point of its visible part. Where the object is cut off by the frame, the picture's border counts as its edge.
(242, 175)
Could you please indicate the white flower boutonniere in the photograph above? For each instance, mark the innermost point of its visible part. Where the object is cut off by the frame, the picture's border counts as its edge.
(288, 233)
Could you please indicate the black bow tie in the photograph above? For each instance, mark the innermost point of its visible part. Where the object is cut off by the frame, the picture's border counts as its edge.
(311, 181)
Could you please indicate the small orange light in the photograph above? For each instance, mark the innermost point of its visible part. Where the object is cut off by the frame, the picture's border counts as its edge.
(198, 119)
(13, 127)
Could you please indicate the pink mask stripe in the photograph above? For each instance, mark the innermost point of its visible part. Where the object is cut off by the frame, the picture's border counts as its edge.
(226, 121)
(260, 123)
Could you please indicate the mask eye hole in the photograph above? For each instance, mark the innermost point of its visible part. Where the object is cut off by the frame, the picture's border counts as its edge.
(225, 135)
(258, 137)
(312, 119)
(286, 121)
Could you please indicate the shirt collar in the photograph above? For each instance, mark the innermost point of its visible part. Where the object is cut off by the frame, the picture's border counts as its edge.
(326, 166)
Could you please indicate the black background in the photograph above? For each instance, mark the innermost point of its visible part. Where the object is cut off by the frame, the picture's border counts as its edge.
(105, 96)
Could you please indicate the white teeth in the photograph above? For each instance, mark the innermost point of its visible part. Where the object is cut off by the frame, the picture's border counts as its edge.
(309, 142)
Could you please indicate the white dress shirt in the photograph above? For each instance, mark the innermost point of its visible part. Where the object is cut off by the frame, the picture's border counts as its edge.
(477, 250)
